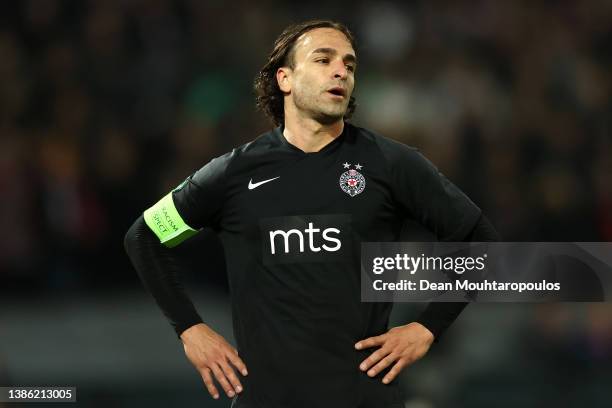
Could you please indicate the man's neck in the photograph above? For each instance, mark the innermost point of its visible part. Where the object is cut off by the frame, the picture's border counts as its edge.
(309, 135)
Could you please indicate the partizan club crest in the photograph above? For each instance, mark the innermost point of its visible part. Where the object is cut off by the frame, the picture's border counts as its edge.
(351, 181)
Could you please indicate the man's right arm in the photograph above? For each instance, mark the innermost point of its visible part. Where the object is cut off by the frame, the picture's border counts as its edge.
(159, 269)
(196, 203)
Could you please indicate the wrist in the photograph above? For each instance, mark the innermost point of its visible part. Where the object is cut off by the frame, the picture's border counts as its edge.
(190, 331)
(426, 332)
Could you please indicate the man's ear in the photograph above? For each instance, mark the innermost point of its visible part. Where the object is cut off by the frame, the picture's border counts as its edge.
(283, 79)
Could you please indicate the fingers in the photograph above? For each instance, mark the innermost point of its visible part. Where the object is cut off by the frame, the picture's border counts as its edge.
(403, 345)
(373, 359)
(208, 382)
(225, 376)
(384, 363)
(220, 376)
(231, 376)
(237, 362)
(370, 342)
(214, 358)
(395, 370)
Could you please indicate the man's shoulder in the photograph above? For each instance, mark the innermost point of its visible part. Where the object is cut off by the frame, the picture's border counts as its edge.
(391, 149)
(260, 144)
(221, 166)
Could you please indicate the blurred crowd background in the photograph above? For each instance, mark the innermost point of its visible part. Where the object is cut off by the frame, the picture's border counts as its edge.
(107, 105)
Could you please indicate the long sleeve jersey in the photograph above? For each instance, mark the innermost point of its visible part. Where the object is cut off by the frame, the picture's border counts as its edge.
(291, 224)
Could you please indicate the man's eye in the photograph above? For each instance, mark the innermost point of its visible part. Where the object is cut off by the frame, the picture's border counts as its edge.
(323, 60)
(350, 68)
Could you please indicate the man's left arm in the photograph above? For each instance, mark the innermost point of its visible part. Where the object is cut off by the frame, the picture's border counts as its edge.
(431, 199)
(438, 316)
(403, 345)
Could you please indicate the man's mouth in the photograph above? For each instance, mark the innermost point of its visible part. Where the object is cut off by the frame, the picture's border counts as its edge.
(337, 91)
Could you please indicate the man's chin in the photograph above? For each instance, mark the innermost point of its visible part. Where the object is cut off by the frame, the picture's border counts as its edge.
(328, 118)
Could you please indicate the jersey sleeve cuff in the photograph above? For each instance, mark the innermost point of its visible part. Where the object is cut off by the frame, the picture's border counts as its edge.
(438, 316)
(180, 327)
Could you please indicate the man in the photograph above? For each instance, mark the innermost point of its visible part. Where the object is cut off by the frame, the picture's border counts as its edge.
(291, 208)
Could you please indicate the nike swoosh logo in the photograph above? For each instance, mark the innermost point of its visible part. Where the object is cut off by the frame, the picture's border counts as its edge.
(255, 185)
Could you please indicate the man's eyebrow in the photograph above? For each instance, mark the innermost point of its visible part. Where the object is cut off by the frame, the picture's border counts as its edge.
(332, 51)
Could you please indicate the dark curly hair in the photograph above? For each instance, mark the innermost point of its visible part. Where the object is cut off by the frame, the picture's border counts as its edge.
(268, 96)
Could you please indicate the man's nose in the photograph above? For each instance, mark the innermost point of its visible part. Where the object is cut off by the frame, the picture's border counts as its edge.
(340, 70)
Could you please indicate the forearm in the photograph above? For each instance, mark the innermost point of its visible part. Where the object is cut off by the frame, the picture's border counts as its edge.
(483, 232)
(159, 270)
(438, 316)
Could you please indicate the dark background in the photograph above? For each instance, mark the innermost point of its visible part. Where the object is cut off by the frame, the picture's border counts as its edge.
(107, 105)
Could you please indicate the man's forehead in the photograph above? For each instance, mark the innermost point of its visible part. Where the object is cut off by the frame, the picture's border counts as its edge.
(323, 38)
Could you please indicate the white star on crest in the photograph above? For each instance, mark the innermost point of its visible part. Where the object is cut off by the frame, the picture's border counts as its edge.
(358, 166)
(346, 165)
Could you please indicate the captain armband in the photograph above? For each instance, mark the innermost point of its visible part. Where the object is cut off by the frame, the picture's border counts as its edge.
(165, 221)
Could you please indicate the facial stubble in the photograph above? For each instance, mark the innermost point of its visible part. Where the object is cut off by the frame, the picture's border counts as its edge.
(321, 106)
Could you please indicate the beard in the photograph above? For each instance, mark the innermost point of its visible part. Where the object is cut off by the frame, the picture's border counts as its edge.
(320, 107)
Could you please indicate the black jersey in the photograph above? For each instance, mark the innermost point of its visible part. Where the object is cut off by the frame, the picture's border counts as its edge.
(291, 224)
